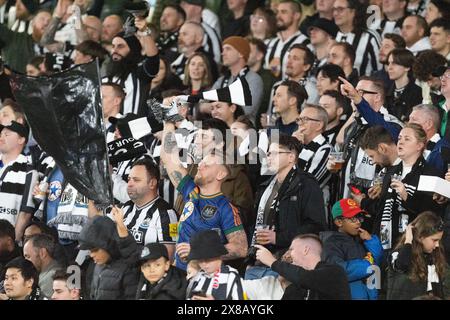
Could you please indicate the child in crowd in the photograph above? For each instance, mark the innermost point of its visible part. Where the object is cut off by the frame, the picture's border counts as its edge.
(417, 265)
(353, 248)
(160, 280)
(215, 281)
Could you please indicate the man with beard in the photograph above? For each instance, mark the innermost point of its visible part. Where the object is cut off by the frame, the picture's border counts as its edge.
(190, 40)
(289, 14)
(147, 216)
(19, 48)
(390, 42)
(206, 207)
(171, 20)
(130, 70)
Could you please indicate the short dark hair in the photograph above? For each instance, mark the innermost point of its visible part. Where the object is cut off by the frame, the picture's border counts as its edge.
(331, 71)
(7, 230)
(402, 57)
(376, 83)
(296, 90)
(288, 142)
(399, 41)
(245, 120)
(441, 23)
(348, 50)
(26, 268)
(36, 61)
(117, 88)
(422, 23)
(309, 56)
(217, 124)
(150, 166)
(92, 48)
(295, 5)
(425, 63)
(374, 136)
(178, 9)
(341, 101)
(259, 44)
(43, 241)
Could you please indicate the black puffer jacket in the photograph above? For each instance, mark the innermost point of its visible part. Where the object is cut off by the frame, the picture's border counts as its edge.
(171, 287)
(117, 279)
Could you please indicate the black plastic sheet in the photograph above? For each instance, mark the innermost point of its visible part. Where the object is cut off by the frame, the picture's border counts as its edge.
(65, 115)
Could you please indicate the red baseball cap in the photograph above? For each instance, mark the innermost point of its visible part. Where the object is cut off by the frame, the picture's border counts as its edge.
(347, 208)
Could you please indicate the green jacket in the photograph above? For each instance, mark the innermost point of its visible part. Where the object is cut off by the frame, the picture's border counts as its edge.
(17, 49)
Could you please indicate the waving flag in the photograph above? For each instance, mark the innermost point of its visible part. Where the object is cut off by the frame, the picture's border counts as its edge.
(237, 93)
(64, 112)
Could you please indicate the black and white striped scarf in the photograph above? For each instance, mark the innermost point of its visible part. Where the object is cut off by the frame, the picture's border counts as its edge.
(393, 203)
(313, 159)
(431, 144)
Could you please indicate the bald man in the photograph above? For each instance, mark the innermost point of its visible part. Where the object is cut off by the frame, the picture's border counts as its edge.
(311, 278)
(190, 40)
(112, 25)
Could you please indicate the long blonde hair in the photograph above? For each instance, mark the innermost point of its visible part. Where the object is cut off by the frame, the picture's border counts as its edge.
(426, 224)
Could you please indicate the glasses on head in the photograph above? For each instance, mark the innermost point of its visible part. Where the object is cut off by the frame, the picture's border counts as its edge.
(306, 119)
(445, 76)
(363, 92)
(340, 9)
(274, 153)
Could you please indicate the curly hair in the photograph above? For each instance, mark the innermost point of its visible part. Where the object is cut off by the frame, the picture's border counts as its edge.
(425, 63)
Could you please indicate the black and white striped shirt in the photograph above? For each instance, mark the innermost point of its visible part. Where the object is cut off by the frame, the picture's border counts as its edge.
(314, 157)
(388, 26)
(16, 179)
(277, 48)
(154, 222)
(367, 48)
(212, 43)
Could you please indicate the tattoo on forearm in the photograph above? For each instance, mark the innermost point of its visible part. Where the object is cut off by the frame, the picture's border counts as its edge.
(176, 177)
(170, 142)
(49, 34)
(237, 245)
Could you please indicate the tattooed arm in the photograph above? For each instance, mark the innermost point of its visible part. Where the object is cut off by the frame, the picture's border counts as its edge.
(169, 155)
(237, 245)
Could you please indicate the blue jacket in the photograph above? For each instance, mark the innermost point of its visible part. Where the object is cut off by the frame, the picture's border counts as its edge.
(349, 252)
(373, 118)
(435, 157)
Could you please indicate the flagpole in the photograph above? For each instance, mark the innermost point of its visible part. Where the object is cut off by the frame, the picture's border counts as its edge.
(102, 123)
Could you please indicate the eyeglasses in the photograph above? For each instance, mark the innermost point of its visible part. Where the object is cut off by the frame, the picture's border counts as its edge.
(305, 119)
(257, 18)
(445, 76)
(363, 92)
(274, 153)
(355, 219)
(339, 9)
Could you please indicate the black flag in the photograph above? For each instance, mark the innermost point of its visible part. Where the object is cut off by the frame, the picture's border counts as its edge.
(64, 112)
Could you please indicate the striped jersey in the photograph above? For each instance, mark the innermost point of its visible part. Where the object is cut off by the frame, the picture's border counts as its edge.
(16, 179)
(278, 49)
(367, 48)
(156, 221)
(225, 284)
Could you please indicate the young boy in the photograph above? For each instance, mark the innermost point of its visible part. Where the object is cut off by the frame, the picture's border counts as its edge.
(215, 281)
(160, 280)
(353, 248)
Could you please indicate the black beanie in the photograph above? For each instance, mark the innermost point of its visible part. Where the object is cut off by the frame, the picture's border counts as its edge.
(31, 5)
(132, 42)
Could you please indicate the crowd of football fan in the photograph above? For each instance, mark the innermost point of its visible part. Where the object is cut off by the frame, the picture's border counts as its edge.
(339, 180)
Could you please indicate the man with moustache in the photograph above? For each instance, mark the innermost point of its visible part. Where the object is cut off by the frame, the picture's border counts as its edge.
(206, 207)
(172, 18)
(132, 71)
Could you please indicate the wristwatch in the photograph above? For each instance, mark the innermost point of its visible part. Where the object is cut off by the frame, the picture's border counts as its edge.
(146, 32)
